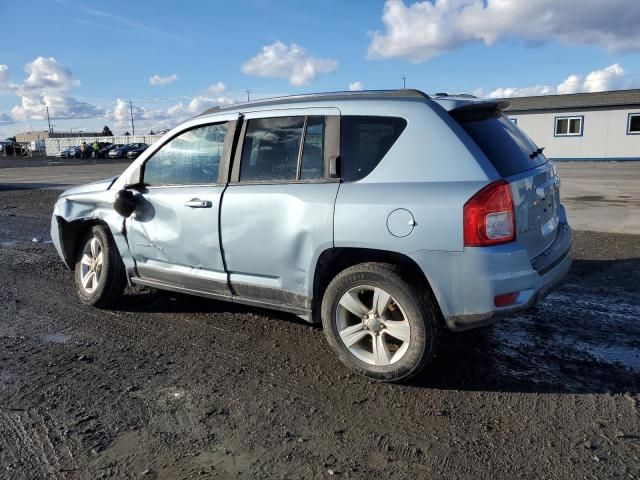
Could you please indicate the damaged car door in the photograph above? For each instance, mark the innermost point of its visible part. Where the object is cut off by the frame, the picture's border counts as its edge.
(173, 234)
(277, 212)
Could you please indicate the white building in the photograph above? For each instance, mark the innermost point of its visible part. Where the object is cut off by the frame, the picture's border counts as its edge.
(582, 126)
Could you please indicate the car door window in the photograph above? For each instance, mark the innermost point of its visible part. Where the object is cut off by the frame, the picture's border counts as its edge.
(283, 149)
(191, 158)
(271, 148)
(312, 163)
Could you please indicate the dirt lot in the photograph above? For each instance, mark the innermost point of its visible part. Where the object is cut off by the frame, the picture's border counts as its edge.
(168, 386)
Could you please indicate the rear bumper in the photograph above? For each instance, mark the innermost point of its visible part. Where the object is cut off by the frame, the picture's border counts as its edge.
(466, 283)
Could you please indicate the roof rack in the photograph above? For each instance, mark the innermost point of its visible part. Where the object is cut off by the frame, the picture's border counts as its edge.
(343, 95)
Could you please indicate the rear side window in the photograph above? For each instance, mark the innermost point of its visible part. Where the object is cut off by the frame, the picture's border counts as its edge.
(364, 141)
(504, 144)
(191, 158)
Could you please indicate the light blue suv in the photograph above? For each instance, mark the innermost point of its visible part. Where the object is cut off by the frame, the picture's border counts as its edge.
(385, 215)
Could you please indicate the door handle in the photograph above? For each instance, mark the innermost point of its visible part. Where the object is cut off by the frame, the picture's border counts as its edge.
(197, 203)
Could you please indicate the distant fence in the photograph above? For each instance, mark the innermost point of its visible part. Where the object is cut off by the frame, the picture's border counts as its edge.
(53, 146)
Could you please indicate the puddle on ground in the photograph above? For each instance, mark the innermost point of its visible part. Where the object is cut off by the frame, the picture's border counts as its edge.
(627, 357)
(576, 340)
(57, 338)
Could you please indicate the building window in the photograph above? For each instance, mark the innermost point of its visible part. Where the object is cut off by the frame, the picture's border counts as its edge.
(568, 126)
(633, 124)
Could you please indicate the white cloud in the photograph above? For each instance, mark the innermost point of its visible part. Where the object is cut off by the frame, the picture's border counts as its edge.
(426, 29)
(121, 23)
(158, 80)
(46, 85)
(202, 102)
(5, 80)
(217, 87)
(609, 78)
(143, 117)
(176, 110)
(5, 118)
(292, 62)
(355, 86)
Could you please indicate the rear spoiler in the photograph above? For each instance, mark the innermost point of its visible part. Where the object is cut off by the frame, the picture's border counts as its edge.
(476, 111)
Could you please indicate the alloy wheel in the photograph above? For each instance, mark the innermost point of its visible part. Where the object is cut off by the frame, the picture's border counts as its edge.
(91, 264)
(372, 325)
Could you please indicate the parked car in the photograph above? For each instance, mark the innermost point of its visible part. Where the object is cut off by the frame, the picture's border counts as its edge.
(385, 216)
(103, 149)
(121, 152)
(134, 152)
(104, 152)
(70, 152)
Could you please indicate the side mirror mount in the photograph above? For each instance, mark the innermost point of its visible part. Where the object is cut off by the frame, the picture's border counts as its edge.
(134, 178)
(125, 203)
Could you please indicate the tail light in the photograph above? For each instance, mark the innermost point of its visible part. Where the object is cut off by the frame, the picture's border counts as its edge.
(489, 218)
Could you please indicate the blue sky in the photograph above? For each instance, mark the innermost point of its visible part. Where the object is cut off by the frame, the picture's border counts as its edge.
(94, 53)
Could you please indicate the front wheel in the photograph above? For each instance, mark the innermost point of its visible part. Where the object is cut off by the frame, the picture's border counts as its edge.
(380, 324)
(99, 273)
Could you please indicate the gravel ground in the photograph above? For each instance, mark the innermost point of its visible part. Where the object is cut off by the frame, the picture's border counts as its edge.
(168, 386)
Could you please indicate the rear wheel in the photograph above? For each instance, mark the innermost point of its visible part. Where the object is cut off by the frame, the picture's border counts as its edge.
(379, 323)
(99, 272)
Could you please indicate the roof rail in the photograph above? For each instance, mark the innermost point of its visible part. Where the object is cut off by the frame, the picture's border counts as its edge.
(342, 95)
(460, 95)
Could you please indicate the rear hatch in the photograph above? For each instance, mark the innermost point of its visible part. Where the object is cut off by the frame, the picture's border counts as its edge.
(533, 179)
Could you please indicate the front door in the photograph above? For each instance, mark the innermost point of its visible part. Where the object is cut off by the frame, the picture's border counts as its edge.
(277, 212)
(173, 233)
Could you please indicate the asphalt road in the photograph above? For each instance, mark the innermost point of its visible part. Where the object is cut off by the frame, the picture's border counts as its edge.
(168, 386)
(56, 173)
(602, 196)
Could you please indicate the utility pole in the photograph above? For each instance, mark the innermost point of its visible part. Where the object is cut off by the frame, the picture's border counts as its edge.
(248, 93)
(133, 128)
(49, 121)
(404, 81)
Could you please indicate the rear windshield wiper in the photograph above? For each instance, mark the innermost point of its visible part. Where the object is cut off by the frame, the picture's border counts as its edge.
(536, 152)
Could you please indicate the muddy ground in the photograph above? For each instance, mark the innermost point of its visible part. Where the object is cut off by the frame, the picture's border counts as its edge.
(168, 386)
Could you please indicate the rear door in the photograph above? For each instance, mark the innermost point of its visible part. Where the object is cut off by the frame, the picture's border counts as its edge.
(173, 233)
(277, 212)
(534, 183)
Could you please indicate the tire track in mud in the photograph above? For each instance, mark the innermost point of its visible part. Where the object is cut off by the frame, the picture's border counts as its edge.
(35, 444)
(184, 376)
(289, 389)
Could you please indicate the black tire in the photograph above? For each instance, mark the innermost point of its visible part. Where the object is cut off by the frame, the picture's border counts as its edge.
(415, 302)
(112, 278)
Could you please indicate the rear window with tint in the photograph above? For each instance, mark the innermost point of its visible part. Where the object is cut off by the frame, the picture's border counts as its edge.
(364, 141)
(505, 145)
